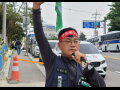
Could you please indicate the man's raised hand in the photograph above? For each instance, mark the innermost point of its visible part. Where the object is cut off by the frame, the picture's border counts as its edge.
(36, 5)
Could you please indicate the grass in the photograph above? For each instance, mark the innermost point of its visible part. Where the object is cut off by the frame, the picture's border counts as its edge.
(11, 49)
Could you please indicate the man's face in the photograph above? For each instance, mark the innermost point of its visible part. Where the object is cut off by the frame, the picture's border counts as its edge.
(69, 45)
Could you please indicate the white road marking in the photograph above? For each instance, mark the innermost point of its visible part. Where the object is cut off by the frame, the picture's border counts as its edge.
(117, 72)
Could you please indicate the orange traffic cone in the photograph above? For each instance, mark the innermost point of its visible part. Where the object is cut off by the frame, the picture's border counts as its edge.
(15, 70)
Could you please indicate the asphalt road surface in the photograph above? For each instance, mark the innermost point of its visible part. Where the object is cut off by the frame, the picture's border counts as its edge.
(113, 61)
(112, 78)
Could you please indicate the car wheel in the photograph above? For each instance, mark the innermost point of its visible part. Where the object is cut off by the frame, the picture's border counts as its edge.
(103, 76)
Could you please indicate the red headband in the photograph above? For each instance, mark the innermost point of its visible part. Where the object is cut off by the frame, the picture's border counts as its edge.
(67, 33)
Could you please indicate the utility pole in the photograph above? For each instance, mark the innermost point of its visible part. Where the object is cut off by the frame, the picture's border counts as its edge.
(26, 53)
(95, 19)
(104, 27)
(4, 23)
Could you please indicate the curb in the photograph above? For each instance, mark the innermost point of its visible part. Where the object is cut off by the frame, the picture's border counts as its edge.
(11, 81)
(39, 66)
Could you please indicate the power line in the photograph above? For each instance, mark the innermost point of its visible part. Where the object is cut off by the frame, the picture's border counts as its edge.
(104, 6)
(101, 5)
(105, 10)
(70, 9)
(79, 7)
(88, 8)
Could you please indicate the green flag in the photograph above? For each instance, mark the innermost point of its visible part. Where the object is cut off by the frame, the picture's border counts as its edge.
(58, 10)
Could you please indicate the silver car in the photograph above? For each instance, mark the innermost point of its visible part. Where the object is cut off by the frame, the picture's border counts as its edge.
(31, 46)
(52, 45)
(35, 49)
(93, 55)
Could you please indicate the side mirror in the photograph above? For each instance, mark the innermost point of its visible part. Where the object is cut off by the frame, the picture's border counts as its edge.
(100, 51)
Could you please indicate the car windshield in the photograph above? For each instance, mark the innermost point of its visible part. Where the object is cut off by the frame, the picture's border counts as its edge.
(88, 49)
(52, 44)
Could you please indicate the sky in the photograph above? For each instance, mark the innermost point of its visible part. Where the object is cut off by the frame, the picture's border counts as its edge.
(73, 14)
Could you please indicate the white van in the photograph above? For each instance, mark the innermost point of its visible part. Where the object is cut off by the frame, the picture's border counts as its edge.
(93, 56)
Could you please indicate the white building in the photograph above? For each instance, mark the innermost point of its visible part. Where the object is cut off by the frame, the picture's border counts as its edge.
(49, 33)
(49, 30)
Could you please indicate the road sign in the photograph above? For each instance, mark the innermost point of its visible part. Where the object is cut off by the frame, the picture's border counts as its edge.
(96, 25)
(96, 32)
(91, 24)
(24, 21)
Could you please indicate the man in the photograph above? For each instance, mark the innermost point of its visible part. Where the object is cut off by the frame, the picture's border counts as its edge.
(18, 46)
(12, 46)
(65, 70)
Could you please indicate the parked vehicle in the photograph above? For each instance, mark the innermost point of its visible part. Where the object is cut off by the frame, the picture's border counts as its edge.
(107, 42)
(52, 45)
(93, 55)
(35, 49)
(31, 46)
(30, 36)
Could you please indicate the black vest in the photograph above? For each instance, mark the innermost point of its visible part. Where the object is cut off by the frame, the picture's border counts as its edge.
(60, 69)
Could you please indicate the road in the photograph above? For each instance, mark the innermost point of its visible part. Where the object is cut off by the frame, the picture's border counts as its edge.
(112, 78)
(113, 61)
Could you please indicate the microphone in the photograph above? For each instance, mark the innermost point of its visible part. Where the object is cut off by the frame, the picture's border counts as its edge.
(82, 59)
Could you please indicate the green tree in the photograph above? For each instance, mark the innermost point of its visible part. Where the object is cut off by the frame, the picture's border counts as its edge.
(14, 18)
(82, 36)
(53, 38)
(114, 17)
(13, 23)
(29, 12)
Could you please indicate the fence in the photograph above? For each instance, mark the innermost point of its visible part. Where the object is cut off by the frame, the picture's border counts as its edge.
(3, 54)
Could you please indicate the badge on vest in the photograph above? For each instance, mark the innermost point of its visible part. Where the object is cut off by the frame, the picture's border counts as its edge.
(61, 70)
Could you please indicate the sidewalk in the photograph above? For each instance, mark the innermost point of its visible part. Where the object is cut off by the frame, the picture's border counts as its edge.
(30, 75)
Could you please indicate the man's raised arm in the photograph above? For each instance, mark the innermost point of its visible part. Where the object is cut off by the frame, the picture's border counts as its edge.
(47, 55)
